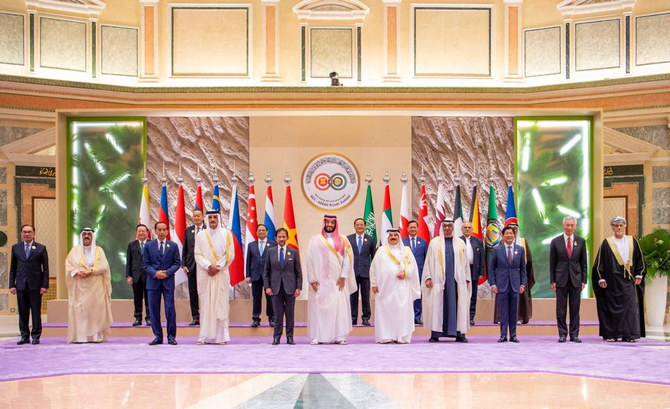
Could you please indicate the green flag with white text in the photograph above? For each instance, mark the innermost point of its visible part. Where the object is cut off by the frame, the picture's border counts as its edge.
(369, 216)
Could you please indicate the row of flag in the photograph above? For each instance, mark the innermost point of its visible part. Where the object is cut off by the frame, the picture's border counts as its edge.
(236, 269)
(491, 239)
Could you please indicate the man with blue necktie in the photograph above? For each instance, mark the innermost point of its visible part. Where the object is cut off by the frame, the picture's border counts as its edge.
(507, 276)
(419, 248)
(161, 261)
(364, 247)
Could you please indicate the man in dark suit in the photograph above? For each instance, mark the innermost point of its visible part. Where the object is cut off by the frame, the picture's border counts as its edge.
(567, 274)
(476, 254)
(364, 247)
(419, 248)
(161, 261)
(507, 276)
(255, 268)
(28, 280)
(136, 275)
(283, 280)
(188, 262)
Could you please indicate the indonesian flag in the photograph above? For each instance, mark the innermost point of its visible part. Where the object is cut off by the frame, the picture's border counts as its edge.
(179, 230)
(269, 219)
(440, 210)
(252, 221)
(423, 232)
(236, 269)
(387, 214)
(404, 212)
(163, 214)
(144, 216)
(289, 220)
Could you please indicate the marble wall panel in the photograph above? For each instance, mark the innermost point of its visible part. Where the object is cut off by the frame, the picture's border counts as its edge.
(598, 45)
(658, 135)
(452, 41)
(10, 134)
(651, 39)
(542, 51)
(4, 302)
(12, 39)
(660, 174)
(331, 49)
(3, 207)
(4, 271)
(62, 44)
(119, 50)
(3, 176)
(476, 150)
(660, 213)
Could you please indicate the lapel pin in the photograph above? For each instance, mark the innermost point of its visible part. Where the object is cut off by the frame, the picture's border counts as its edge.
(167, 245)
(193, 231)
(516, 252)
(288, 253)
(365, 239)
(33, 247)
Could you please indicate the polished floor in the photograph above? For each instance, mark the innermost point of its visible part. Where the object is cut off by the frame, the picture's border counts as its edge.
(251, 373)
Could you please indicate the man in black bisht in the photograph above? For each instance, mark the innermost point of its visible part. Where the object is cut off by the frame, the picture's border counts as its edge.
(617, 278)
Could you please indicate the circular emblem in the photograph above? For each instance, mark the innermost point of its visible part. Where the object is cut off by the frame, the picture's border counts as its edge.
(330, 181)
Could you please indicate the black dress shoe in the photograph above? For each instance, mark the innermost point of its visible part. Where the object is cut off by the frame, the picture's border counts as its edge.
(502, 339)
(148, 322)
(255, 324)
(36, 341)
(194, 322)
(575, 339)
(137, 322)
(172, 341)
(418, 322)
(289, 340)
(366, 323)
(462, 339)
(561, 339)
(23, 341)
(275, 340)
(156, 341)
(433, 339)
(472, 322)
(271, 323)
(354, 322)
(514, 339)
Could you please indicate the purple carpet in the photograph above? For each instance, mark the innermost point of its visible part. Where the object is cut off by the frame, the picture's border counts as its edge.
(646, 361)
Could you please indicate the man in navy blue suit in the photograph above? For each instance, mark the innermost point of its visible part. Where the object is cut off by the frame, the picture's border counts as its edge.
(419, 248)
(363, 247)
(507, 276)
(256, 256)
(161, 261)
(476, 253)
(29, 280)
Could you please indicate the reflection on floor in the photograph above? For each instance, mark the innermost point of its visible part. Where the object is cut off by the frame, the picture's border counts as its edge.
(373, 391)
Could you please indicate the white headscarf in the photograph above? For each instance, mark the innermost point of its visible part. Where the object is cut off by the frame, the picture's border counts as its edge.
(88, 252)
(398, 249)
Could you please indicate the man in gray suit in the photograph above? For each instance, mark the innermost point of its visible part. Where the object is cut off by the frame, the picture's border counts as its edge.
(363, 247)
(567, 274)
(283, 281)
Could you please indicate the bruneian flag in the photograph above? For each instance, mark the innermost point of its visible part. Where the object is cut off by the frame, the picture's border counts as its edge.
(423, 232)
(458, 213)
(179, 230)
(404, 212)
(387, 214)
(269, 219)
(369, 216)
(289, 220)
(144, 216)
(236, 268)
(163, 214)
(476, 220)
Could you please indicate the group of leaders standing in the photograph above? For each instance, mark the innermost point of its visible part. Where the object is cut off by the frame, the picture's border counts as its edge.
(415, 282)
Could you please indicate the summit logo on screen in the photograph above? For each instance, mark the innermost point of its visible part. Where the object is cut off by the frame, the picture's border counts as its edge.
(330, 181)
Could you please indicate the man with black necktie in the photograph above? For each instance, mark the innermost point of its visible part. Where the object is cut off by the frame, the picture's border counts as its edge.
(136, 275)
(188, 262)
(475, 251)
(29, 280)
(364, 247)
(255, 267)
(419, 248)
(567, 274)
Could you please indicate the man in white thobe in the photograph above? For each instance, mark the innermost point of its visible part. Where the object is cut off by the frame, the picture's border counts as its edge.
(89, 290)
(394, 277)
(330, 275)
(446, 286)
(214, 252)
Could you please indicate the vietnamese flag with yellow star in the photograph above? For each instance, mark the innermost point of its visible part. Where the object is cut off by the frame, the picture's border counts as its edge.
(289, 220)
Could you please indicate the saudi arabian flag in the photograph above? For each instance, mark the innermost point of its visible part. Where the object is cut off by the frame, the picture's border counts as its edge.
(369, 216)
(387, 214)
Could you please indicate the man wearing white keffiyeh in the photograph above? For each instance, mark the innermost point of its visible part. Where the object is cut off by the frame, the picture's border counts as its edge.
(89, 290)
(214, 253)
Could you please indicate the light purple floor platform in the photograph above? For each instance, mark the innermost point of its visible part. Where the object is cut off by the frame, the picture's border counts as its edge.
(644, 361)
